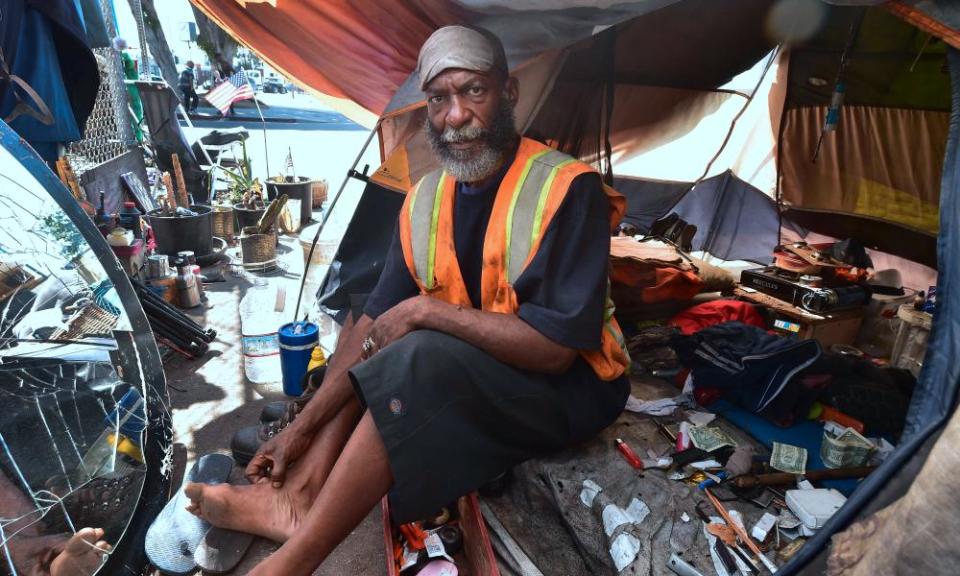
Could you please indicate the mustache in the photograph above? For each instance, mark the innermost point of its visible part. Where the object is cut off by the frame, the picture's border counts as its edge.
(452, 135)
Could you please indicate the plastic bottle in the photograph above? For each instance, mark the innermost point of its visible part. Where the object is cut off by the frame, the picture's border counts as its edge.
(317, 359)
(119, 444)
(130, 219)
(259, 322)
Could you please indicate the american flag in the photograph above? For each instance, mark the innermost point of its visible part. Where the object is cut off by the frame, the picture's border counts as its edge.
(237, 87)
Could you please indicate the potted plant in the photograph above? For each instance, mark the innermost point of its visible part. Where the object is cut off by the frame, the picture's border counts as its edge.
(245, 193)
(298, 188)
(177, 225)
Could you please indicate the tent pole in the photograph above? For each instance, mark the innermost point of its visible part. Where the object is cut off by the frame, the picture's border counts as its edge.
(774, 54)
(263, 126)
(326, 216)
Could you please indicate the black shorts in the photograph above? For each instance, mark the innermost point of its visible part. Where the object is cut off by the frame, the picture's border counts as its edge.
(452, 417)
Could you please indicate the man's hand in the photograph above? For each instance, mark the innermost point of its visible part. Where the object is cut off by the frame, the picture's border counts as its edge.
(273, 458)
(396, 323)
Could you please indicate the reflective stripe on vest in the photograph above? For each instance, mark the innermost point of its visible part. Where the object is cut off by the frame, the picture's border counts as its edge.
(424, 208)
(525, 217)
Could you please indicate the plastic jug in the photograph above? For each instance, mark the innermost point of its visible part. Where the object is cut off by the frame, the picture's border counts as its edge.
(259, 322)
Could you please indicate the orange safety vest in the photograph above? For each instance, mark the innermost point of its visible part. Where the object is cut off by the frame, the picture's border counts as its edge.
(528, 198)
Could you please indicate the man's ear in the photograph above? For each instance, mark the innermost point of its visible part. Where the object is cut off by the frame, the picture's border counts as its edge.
(511, 90)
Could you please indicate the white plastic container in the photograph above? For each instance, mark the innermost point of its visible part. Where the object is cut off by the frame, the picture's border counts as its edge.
(815, 507)
(911, 344)
(259, 321)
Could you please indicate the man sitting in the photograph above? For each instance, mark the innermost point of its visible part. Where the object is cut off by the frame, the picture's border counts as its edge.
(488, 340)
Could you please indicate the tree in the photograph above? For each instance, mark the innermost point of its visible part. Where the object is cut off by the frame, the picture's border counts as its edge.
(219, 46)
(159, 49)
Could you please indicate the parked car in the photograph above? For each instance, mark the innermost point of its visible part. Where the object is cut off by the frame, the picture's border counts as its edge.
(274, 86)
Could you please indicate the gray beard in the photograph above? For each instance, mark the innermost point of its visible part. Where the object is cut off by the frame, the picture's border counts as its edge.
(475, 165)
(467, 166)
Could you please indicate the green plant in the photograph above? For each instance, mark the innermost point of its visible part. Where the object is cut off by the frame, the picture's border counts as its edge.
(58, 226)
(243, 188)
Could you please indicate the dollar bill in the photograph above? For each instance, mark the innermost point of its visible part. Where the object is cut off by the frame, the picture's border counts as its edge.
(788, 458)
(709, 439)
(848, 448)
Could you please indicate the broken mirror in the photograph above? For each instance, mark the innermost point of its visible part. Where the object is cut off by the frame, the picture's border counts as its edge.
(77, 382)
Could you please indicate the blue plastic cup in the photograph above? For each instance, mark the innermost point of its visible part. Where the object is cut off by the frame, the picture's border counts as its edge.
(297, 341)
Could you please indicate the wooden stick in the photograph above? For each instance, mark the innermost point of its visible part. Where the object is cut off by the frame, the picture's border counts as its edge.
(63, 173)
(182, 198)
(785, 479)
(171, 193)
(72, 182)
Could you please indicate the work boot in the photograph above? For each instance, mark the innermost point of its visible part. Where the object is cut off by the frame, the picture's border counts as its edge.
(274, 411)
(247, 441)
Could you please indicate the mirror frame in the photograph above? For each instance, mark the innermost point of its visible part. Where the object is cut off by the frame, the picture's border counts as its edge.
(138, 363)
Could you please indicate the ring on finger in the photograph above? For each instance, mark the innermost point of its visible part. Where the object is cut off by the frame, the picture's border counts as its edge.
(367, 346)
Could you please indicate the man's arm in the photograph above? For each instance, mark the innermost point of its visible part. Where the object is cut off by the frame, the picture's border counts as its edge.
(504, 336)
(337, 387)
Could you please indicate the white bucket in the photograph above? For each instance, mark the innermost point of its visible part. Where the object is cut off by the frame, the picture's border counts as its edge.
(325, 250)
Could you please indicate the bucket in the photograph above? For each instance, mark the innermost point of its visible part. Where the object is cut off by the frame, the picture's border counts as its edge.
(878, 332)
(258, 249)
(248, 216)
(319, 193)
(295, 350)
(178, 233)
(301, 189)
(325, 251)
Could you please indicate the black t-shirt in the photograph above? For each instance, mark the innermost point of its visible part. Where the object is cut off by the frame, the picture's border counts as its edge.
(561, 292)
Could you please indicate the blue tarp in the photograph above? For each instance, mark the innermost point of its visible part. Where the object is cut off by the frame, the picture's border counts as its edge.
(38, 65)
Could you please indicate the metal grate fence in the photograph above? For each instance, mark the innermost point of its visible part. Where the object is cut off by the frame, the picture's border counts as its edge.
(108, 133)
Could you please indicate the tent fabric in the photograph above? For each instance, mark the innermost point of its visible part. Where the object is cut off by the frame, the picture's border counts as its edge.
(935, 395)
(78, 66)
(38, 64)
(734, 220)
(361, 52)
(883, 163)
(892, 64)
(365, 53)
(51, 55)
(356, 267)
(907, 537)
(928, 16)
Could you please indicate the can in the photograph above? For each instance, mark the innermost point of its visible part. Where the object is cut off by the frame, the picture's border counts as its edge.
(187, 256)
(158, 266)
(297, 341)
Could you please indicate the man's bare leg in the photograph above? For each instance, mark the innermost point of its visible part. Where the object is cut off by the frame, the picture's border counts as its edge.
(276, 513)
(357, 482)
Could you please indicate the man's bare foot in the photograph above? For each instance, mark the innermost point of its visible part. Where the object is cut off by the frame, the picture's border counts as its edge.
(260, 509)
(82, 555)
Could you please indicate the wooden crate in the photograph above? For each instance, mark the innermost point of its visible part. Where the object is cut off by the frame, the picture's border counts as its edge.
(476, 558)
(838, 327)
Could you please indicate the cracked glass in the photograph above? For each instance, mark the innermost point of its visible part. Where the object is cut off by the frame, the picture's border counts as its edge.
(72, 432)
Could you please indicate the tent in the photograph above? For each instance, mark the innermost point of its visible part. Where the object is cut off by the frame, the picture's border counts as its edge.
(719, 111)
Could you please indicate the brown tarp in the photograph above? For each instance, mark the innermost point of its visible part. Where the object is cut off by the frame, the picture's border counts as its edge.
(884, 163)
(359, 51)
